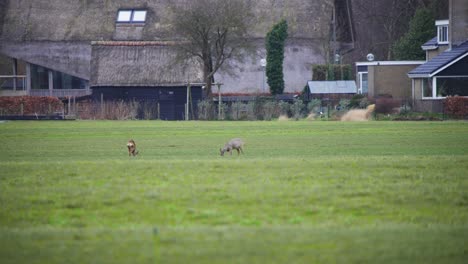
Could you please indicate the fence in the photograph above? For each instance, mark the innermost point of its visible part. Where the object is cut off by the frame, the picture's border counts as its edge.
(264, 108)
(259, 108)
(323, 108)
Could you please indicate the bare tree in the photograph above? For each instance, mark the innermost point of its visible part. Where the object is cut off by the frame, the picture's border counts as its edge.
(379, 24)
(388, 19)
(214, 32)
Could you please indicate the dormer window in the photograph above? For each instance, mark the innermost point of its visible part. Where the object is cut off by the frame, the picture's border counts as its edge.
(131, 16)
(442, 31)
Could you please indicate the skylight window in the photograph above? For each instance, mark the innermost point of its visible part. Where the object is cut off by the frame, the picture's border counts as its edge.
(139, 16)
(131, 16)
(124, 16)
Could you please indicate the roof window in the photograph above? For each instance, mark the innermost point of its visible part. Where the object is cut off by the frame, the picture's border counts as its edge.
(131, 16)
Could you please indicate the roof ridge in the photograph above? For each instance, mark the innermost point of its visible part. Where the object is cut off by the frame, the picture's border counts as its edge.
(134, 43)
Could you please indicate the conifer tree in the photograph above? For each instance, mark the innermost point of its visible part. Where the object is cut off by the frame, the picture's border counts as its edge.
(275, 41)
(421, 30)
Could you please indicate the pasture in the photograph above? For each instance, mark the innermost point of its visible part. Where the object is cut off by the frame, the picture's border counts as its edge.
(303, 192)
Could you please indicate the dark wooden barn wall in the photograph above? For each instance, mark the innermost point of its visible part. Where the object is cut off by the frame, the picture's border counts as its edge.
(171, 100)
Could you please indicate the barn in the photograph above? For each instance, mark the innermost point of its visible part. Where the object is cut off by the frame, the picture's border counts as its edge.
(127, 70)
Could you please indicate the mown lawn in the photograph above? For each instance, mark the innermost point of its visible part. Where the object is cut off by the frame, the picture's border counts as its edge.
(303, 192)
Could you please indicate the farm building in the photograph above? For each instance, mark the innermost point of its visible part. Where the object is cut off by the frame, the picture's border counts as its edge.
(125, 49)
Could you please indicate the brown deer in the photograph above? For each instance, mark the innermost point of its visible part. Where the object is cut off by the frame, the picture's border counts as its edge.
(132, 148)
(235, 143)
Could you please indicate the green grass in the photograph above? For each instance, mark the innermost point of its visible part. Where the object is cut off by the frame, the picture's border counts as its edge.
(304, 192)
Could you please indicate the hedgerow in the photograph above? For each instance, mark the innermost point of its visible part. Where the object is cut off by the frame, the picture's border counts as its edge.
(30, 105)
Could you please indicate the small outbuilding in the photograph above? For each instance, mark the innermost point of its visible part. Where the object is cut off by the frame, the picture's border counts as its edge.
(333, 89)
(385, 78)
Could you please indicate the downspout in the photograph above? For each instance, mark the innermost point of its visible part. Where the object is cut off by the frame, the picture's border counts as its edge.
(28, 79)
(450, 26)
(51, 82)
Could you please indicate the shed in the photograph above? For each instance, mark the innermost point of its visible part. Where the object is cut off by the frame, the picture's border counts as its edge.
(332, 87)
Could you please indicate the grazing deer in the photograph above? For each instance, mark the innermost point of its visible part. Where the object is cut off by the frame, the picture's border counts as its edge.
(132, 148)
(235, 143)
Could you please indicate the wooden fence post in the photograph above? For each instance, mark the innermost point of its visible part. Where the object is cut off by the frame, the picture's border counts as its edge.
(102, 106)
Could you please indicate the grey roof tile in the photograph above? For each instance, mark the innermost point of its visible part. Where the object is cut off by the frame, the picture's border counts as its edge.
(431, 42)
(441, 60)
(332, 87)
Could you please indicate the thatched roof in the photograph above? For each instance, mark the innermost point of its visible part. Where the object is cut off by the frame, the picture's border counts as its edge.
(72, 20)
(140, 63)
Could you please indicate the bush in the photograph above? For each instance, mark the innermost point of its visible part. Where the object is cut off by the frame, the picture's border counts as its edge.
(149, 110)
(406, 108)
(30, 105)
(314, 105)
(364, 103)
(356, 100)
(269, 110)
(456, 106)
(236, 110)
(206, 110)
(297, 109)
(343, 104)
(120, 110)
(284, 108)
(387, 105)
(223, 112)
(251, 110)
(114, 110)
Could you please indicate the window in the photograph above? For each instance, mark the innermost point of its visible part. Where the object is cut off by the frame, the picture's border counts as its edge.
(39, 77)
(363, 75)
(65, 81)
(442, 31)
(131, 16)
(363, 84)
(427, 88)
(139, 16)
(441, 87)
(442, 34)
(451, 86)
(124, 16)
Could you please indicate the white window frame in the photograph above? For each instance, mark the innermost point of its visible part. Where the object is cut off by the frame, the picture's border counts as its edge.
(442, 35)
(434, 87)
(442, 31)
(134, 16)
(360, 81)
(434, 90)
(422, 89)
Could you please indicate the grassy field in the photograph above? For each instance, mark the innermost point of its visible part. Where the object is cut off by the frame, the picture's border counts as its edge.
(303, 192)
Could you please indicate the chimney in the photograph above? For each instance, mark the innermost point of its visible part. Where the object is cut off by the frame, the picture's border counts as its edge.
(458, 25)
